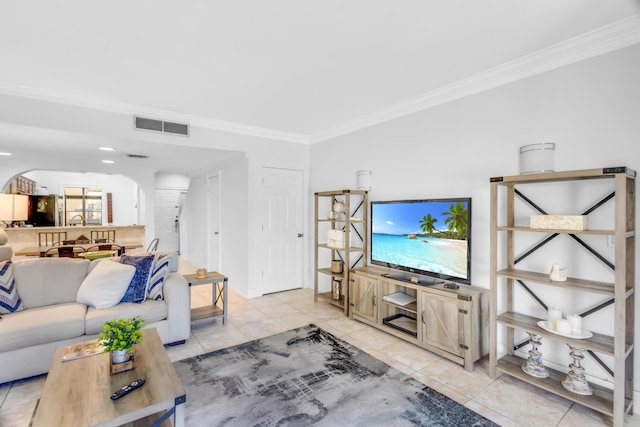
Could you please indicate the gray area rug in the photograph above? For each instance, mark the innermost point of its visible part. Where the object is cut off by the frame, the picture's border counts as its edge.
(307, 376)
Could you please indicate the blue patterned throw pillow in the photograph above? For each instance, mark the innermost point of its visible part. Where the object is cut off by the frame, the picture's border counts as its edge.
(10, 301)
(137, 290)
(158, 276)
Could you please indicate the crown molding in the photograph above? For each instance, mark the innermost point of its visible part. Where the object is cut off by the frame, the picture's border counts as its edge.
(618, 35)
(130, 109)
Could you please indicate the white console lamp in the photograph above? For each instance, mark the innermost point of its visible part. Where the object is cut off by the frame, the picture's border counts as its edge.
(5, 250)
(13, 207)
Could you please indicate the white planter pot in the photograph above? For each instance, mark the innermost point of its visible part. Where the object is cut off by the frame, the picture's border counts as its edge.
(120, 356)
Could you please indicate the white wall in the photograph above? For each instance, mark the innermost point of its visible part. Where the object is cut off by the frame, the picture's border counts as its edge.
(589, 109)
(234, 233)
(171, 180)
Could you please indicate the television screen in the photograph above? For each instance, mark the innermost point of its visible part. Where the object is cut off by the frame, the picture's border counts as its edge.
(423, 237)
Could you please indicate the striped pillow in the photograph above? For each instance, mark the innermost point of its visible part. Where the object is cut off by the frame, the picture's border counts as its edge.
(158, 275)
(10, 301)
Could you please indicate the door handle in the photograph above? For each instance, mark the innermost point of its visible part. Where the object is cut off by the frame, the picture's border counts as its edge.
(299, 234)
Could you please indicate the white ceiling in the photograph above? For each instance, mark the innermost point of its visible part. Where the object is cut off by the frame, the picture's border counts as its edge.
(300, 67)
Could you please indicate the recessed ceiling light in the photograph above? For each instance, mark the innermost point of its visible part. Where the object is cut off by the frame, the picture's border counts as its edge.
(4, 154)
(106, 149)
(107, 161)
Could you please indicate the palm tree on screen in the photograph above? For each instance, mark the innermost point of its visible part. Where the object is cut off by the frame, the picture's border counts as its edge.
(457, 216)
(426, 224)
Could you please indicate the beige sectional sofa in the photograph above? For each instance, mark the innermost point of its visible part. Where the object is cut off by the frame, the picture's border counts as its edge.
(48, 288)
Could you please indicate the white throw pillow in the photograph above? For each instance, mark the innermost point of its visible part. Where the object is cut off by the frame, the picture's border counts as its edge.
(106, 284)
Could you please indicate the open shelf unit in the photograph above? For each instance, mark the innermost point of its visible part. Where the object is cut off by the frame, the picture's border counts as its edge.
(402, 317)
(615, 402)
(351, 250)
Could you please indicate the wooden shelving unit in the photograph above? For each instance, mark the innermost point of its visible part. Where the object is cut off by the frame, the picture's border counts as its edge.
(354, 251)
(619, 292)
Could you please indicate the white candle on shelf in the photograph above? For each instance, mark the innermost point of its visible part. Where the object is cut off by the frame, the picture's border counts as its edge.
(554, 315)
(563, 326)
(576, 323)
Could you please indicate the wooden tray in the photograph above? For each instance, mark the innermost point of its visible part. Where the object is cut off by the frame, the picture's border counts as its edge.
(116, 368)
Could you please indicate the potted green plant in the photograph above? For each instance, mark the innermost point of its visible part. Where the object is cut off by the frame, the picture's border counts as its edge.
(119, 336)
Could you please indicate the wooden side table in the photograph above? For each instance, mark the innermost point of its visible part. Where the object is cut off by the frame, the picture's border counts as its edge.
(219, 291)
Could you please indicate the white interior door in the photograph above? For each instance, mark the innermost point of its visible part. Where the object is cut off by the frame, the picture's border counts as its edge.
(282, 230)
(167, 218)
(213, 258)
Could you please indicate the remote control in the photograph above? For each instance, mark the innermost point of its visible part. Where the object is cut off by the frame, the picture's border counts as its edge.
(451, 286)
(128, 389)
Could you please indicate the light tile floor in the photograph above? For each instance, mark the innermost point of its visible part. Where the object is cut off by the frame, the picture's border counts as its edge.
(506, 401)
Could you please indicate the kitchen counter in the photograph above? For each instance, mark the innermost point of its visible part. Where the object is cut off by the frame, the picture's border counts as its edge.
(25, 237)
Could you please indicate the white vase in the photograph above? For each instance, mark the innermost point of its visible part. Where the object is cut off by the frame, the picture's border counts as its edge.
(120, 356)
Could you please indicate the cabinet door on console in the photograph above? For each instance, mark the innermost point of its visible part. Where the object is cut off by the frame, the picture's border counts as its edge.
(442, 323)
(365, 293)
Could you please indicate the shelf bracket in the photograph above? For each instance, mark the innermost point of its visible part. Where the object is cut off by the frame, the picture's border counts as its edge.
(357, 232)
(600, 362)
(535, 248)
(597, 308)
(356, 262)
(530, 292)
(355, 211)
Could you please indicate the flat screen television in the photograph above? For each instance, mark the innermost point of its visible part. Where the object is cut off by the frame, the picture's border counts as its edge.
(423, 241)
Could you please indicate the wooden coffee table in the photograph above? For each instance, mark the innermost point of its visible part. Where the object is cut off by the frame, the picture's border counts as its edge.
(78, 392)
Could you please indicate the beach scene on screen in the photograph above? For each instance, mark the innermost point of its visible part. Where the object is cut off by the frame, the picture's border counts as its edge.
(430, 235)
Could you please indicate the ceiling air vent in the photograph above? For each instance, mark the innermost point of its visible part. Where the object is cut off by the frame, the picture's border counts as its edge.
(138, 156)
(160, 126)
(178, 128)
(148, 124)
